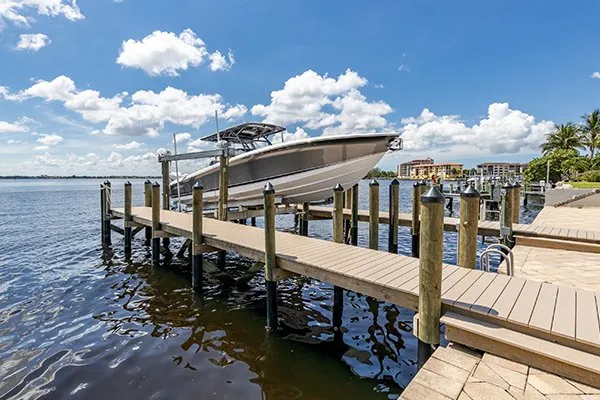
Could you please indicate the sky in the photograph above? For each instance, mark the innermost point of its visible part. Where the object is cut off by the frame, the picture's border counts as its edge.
(101, 86)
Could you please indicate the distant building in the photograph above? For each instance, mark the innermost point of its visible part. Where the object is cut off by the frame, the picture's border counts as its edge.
(501, 169)
(441, 170)
(403, 170)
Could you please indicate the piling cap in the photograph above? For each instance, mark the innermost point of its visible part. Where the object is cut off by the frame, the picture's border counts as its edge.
(338, 188)
(417, 183)
(433, 195)
(147, 182)
(423, 183)
(155, 184)
(198, 186)
(516, 185)
(268, 188)
(507, 186)
(373, 183)
(470, 191)
(395, 182)
(107, 182)
(127, 183)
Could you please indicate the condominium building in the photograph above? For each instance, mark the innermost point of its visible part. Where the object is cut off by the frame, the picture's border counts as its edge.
(403, 170)
(441, 170)
(501, 169)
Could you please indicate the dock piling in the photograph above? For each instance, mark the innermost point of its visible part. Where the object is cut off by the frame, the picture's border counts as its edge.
(155, 223)
(106, 214)
(430, 273)
(416, 205)
(270, 256)
(197, 237)
(304, 220)
(354, 217)
(516, 203)
(127, 220)
(467, 232)
(166, 185)
(338, 237)
(374, 215)
(506, 215)
(348, 222)
(393, 216)
(102, 212)
(148, 203)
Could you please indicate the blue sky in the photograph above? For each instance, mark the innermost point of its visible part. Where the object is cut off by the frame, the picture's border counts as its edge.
(464, 81)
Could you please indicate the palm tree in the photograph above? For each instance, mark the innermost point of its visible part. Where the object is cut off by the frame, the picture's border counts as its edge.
(565, 137)
(591, 131)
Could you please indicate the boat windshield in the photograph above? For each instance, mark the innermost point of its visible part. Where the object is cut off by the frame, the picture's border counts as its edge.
(247, 136)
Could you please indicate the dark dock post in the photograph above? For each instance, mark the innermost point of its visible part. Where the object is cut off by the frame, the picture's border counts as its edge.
(166, 183)
(106, 215)
(148, 203)
(338, 237)
(374, 215)
(416, 205)
(270, 256)
(304, 220)
(127, 220)
(155, 223)
(516, 203)
(253, 221)
(467, 231)
(354, 218)
(506, 214)
(393, 216)
(223, 199)
(102, 212)
(348, 221)
(197, 237)
(430, 273)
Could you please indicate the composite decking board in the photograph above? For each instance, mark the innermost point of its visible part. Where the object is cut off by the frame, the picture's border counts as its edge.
(523, 306)
(373, 265)
(564, 321)
(413, 285)
(486, 301)
(543, 311)
(476, 290)
(462, 286)
(453, 279)
(385, 270)
(402, 279)
(328, 256)
(505, 303)
(387, 278)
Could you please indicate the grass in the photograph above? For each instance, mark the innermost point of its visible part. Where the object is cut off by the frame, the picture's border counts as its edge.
(585, 185)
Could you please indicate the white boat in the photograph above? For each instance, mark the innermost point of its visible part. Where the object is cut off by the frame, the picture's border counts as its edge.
(304, 170)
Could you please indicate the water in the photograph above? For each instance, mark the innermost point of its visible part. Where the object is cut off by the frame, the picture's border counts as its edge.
(78, 322)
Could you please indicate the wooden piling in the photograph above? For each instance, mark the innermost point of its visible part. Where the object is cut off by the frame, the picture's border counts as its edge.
(155, 223)
(253, 221)
(354, 217)
(506, 214)
(374, 215)
(223, 200)
(127, 220)
(166, 195)
(197, 237)
(467, 231)
(430, 273)
(107, 206)
(148, 203)
(516, 203)
(304, 220)
(270, 256)
(348, 221)
(416, 207)
(102, 212)
(338, 237)
(394, 211)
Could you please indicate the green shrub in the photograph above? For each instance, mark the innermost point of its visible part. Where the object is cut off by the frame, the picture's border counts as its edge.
(590, 176)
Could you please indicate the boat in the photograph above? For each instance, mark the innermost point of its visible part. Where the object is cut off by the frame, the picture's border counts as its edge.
(304, 170)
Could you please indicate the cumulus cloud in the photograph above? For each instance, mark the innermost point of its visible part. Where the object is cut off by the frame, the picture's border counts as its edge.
(596, 75)
(166, 53)
(14, 141)
(182, 137)
(49, 140)
(18, 126)
(32, 41)
(502, 131)
(298, 134)
(133, 145)
(19, 12)
(199, 145)
(145, 113)
(404, 68)
(322, 102)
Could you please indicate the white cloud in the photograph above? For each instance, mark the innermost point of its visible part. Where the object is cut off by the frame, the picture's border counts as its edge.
(165, 53)
(199, 145)
(19, 12)
(145, 114)
(403, 68)
(32, 41)
(133, 145)
(298, 134)
(18, 126)
(596, 75)
(13, 141)
(182, 137)
(41, 147)
(378, 86)
(218, 62)
(49, 140)
(322, 102)
(502, 131)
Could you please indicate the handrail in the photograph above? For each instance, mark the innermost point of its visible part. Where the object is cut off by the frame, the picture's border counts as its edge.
(505, 248)
(486, 266)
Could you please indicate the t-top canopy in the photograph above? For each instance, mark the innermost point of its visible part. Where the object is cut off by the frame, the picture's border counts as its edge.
(246, 133)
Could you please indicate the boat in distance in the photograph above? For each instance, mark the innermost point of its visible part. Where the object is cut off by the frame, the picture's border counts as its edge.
(304, 170)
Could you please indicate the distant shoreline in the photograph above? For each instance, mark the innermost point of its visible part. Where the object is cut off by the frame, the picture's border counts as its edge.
(16, 177)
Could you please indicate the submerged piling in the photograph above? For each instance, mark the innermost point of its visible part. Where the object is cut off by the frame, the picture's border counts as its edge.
(338, 237)
(394, 200)
(354, 217)
(127, 220)
(197, 237)
(270, 256)
(148, 203)
(374, 215)
(430, 273)
(467, 231)
(155, 223)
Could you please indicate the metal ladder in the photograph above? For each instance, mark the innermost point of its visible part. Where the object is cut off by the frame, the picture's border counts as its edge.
(496, 248)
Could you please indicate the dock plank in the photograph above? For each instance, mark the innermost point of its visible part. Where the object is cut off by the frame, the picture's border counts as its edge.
(565, 312)
(543, 311)
(486, 301)
(587, 323)
(523, 306)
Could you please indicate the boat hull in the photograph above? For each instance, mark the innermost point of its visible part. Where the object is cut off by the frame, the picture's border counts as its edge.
(301, 171)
